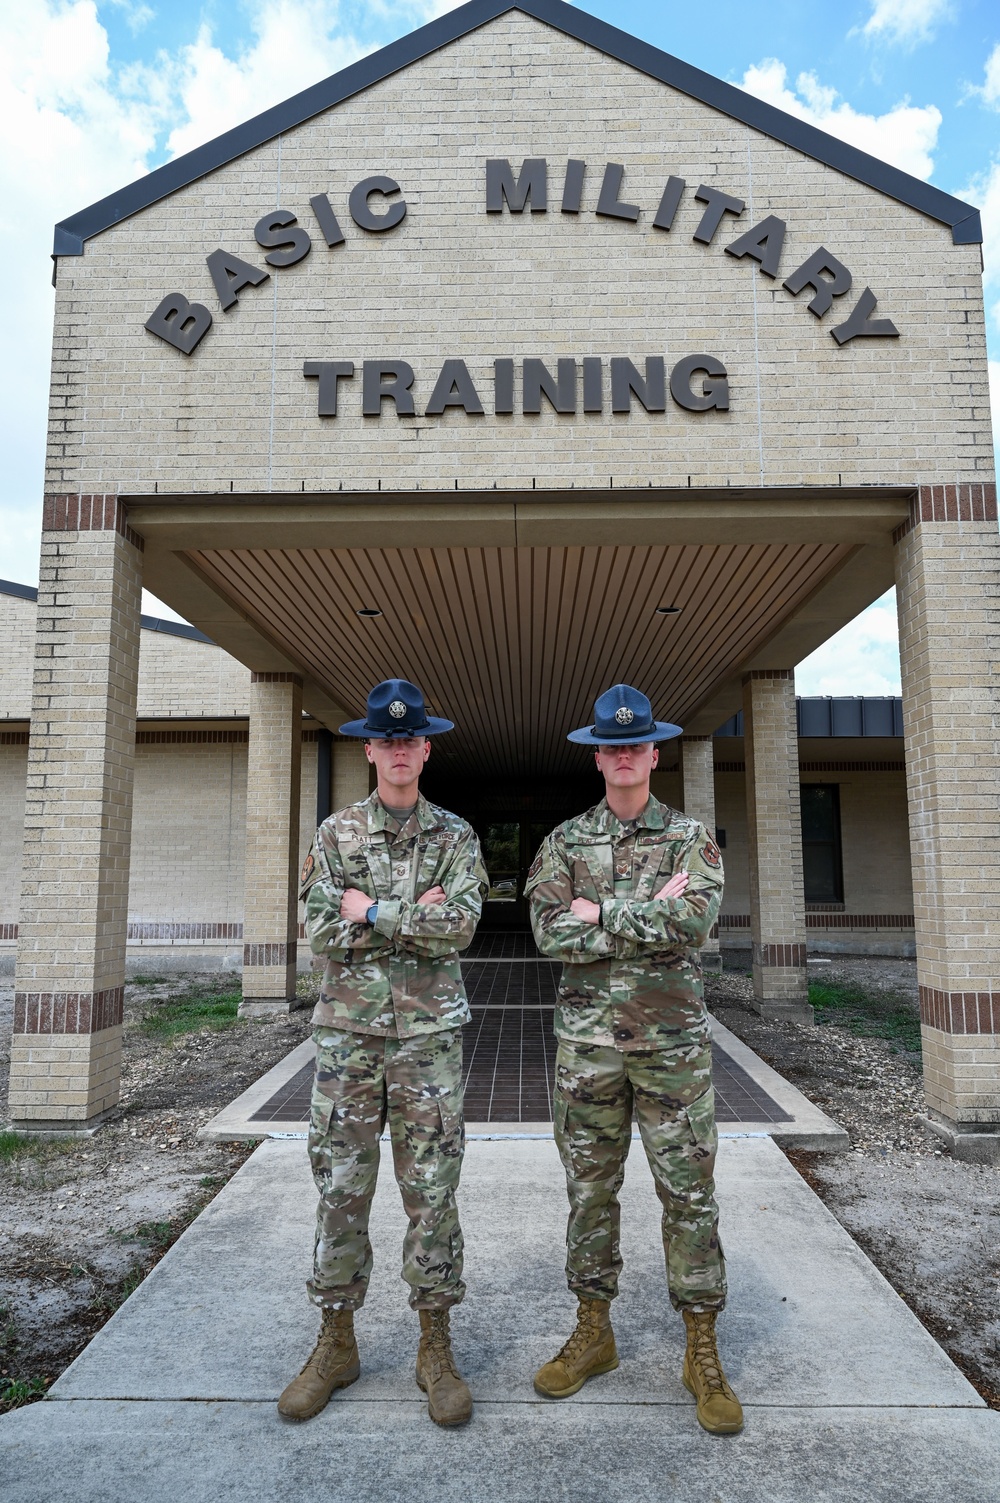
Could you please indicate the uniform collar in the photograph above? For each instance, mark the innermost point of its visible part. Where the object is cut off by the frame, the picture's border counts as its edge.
(377, 815)
(653, 817)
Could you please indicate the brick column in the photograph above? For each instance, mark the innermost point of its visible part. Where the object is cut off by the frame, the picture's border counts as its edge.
(698, 797)
(774, 827)
(350, 773)
(69, 989)
(948, 582)
(274, 764)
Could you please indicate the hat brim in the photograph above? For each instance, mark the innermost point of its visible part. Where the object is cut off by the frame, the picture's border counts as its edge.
(435, 727)
(662, 731)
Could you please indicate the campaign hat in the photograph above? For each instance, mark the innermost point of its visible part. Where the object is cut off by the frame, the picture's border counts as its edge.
(396, 708)
(623, 717)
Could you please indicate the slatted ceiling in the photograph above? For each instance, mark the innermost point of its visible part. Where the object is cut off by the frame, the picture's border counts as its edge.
(516, 644)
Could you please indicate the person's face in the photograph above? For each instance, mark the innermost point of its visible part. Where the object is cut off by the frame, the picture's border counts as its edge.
(627, 766)
(398, 760)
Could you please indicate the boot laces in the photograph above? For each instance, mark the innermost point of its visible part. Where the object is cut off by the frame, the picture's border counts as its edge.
(705, 1356)
(587, 1327)
(437, 1345)
(336, 1333)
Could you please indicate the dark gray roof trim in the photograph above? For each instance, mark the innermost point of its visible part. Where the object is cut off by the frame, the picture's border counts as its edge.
(830, 716)
(962, 218)
(149, 623)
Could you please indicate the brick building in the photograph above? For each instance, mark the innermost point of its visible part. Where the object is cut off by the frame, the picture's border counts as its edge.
(519, 358)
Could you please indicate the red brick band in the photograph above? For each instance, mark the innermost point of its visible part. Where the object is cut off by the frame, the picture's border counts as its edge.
(185, 931)
(200, 738)
(831, 920)
(171, 931)
(191, 738)
(68, 1012)
(971, 501)
(824, 767)
(270, 954)
(275, 678)
(960, 1012)
(65, 513)
(783, 673)
(775, 956)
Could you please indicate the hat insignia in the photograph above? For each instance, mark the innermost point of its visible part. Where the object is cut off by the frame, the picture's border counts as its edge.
(397, 709)
(624, 715)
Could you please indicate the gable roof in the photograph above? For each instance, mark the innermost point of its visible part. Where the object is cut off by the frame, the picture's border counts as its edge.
(962, 218)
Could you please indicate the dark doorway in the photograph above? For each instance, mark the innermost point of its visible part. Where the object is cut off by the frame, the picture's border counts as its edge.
(512, 819)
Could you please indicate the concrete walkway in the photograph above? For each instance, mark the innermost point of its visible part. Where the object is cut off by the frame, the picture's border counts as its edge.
(847, 1397)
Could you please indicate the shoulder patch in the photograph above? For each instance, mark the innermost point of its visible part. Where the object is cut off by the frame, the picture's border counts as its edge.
(711, 854)
(308, 867)
(535, 867)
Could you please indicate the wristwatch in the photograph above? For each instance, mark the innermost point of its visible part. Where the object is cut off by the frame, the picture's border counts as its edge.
(372, 915)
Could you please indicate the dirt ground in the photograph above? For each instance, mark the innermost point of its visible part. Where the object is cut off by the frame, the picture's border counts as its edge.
(930, 1223)
(83, 1220)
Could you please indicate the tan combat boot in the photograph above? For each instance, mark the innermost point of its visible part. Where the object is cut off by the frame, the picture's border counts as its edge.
(449, 1401)
(334, 1363)
(590, 1350)
(719, 1409)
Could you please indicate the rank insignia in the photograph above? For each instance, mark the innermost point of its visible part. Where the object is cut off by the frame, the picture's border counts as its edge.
(710, 854)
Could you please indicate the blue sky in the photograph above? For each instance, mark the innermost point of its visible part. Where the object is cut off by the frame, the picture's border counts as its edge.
(94, 92)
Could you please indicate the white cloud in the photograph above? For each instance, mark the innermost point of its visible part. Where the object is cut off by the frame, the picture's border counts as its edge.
(137, 16)
(861, 658)
(906, 20)
(906, 135)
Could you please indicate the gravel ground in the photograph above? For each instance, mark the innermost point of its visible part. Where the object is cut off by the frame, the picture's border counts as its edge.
(928, 1222)
(83, 1220)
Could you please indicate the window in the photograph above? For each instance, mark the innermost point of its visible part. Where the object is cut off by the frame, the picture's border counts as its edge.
(821, 860)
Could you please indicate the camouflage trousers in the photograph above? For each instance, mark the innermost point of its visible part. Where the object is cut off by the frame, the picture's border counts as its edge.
(671, 1092)
(416, 1084)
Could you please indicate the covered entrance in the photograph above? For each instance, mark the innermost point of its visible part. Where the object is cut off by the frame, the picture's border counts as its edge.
(518, 359)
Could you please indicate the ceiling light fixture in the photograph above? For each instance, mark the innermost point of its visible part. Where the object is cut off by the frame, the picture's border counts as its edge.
(668, 610)
(369, 610)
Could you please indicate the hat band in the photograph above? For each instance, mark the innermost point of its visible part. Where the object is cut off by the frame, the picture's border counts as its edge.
(624, 732)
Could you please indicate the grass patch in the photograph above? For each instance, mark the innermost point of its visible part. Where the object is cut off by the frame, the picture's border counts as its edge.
(149, 980)
(17, 1145)
(875, 1015)
(190, 1012)
(17, 1391)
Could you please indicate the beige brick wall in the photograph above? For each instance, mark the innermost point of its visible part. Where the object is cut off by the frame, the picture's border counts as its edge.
(181, 677)
(453, 281)
(68, 1077)
(188, 834)
(947, 576)
(13, 775)
(273, 831)
(777, 907)
(17, 633)
(78, 813)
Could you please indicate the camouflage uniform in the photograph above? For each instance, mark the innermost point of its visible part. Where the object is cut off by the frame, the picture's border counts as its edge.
(388, 1039)
(633, 1033)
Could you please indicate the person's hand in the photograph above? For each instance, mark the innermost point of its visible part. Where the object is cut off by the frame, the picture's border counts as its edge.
(354, 905)
(674, 888)
(584, 909)
(432, 895)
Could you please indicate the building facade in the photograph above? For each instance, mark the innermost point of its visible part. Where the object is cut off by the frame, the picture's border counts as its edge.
(517, 358)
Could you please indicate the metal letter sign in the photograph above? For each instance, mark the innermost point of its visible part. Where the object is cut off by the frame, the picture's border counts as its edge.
(512, 190)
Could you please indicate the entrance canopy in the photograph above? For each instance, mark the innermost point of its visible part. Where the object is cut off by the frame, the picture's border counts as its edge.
(514, 616)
